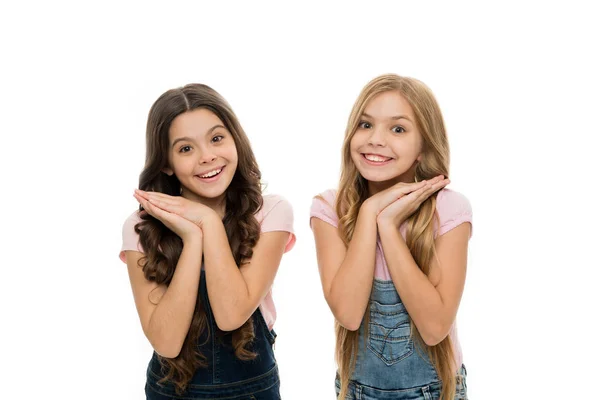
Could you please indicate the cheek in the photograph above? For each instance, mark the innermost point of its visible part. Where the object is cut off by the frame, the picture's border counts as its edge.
(411, 147)
(171, 164)
(232, 155)
(356, 141)
(418, 143)
(182, 165)
(358, 137)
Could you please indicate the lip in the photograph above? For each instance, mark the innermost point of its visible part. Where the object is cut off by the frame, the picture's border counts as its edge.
(375, 163)
(212, 178)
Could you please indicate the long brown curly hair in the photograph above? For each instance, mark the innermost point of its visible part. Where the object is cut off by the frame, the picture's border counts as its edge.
(353, 191)
(162, 247)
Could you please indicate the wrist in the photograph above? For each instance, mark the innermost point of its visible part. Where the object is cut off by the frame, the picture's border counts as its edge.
(210, 220)
(387, 227)
(207, 218)
(369, 208)
(386, 223)
(193, 240)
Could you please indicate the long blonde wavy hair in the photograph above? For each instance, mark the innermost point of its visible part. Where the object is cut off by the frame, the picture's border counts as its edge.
(353, 191)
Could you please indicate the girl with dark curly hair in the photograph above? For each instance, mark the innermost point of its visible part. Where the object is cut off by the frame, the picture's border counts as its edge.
(202, 252)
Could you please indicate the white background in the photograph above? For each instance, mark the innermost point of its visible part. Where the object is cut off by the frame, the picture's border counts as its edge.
(519, 89)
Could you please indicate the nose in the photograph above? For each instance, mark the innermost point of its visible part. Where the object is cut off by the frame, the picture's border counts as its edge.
(206, 156)
(376, 138)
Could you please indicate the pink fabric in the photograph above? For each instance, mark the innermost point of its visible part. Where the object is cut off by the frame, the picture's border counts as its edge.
(276, 214)
(453, 209)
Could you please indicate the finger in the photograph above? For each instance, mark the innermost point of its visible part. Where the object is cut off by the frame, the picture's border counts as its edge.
(165, 205)
(150, 208)
(164, 200)
(141, 193)
(419, 192)
(411, 200)
(395, 194)
(439, 185)
(429, 190)
(435, 183)
(444, 182)
(144, 204)
(164, 216)
(418, 196)
(436, 179)
(158, 195)
(410, 184)
(139, 199)
(163, 196)
(432, 188)
(406, 188)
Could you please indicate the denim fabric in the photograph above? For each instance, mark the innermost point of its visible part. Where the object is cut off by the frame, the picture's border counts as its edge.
(226, 377)
(389, 364)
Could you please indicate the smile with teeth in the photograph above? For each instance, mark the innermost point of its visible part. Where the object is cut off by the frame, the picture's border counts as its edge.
(211, 173)
(376, 158)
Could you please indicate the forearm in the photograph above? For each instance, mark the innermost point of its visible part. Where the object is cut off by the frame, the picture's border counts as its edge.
(172, 317)
(227, 289)
(421, 299)
(350, 289)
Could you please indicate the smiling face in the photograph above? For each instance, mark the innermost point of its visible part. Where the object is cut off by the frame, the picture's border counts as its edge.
(387, 144)
(202, 155)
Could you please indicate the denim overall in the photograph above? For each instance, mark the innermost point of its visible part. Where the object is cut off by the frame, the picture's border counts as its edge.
(226, 377)
(389, 364)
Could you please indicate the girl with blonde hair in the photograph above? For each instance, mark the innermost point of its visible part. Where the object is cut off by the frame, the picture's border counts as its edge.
(391, 246)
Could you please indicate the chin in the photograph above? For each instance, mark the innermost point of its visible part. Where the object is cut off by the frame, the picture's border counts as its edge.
(213, 194)
(207, 194)
(375, 177)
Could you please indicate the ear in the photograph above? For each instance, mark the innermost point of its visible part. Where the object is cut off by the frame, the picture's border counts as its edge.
(167, 171)
(419, 157)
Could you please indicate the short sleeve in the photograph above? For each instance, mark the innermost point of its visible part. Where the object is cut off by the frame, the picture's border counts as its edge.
(322, 207)
(131, 240)
(453, 209)
(277, 215)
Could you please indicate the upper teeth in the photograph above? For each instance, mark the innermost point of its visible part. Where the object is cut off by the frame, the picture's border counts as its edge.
(372, 157)
(211, 173)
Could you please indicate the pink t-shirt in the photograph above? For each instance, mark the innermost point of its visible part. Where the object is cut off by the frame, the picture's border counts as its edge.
(276, 214)
(453, 209)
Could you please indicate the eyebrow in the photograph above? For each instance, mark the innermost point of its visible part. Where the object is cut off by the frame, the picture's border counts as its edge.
(189, 139)
(394, 117)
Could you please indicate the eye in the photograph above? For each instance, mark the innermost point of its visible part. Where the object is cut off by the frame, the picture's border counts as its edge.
(217, 138)
(398, 129)
(364, 125)
(185, 149)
